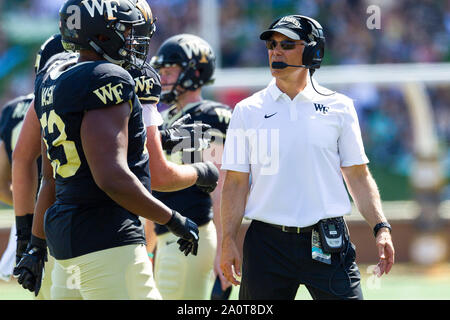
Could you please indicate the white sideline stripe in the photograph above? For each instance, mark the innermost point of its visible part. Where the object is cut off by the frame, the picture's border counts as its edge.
(398, 73)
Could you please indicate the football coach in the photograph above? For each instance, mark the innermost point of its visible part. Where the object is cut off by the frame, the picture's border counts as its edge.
(295, 195)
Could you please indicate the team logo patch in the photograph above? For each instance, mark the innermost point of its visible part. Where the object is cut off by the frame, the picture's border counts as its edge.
(321, 108)
(144, 85)
(110, 94)
(289, 20)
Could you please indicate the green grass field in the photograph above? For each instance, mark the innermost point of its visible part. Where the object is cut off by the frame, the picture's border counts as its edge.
(405, 282)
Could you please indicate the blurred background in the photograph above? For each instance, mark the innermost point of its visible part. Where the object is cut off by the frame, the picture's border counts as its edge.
(391, 56)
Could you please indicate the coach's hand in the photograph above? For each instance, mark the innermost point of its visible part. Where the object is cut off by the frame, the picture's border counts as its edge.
(23, 227)
(386, 251)
(187, 230)
(208, 175)
(190, 135)
(230, 261)
(30, 268)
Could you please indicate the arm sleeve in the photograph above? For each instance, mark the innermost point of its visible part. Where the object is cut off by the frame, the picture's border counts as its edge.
(236, 155)
(350, 144)
(151, 115)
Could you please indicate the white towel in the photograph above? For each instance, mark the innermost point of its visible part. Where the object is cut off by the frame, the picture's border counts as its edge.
(8, 260)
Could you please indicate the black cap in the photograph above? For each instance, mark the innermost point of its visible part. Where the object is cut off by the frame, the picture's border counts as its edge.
(291, 26)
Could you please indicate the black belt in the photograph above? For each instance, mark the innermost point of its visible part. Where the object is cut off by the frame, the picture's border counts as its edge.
(290, 229)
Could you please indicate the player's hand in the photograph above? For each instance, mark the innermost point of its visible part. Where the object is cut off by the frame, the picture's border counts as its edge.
(21, 248)
(230, 261)
(187, 230)
(208, 175)
(23, 227)
(386, 251)
(191, 136)
(30, 268)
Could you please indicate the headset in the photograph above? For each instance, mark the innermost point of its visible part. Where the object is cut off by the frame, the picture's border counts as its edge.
(314, 49)
(312, 53)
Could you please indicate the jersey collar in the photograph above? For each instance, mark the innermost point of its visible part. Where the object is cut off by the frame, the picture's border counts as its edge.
(307, 94)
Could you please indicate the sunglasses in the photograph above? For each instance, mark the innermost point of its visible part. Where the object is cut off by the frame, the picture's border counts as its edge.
(285, 44)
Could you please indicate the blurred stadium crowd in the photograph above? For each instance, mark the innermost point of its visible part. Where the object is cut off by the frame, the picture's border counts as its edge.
(411, 31)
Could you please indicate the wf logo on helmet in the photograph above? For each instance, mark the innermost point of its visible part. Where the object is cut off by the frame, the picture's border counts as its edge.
(100, 5)
(145, 9)
(197, 48)
(74, 11)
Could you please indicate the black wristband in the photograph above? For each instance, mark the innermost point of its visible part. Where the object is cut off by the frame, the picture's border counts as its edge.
(38, 242)
(380, 225)
(23, 226)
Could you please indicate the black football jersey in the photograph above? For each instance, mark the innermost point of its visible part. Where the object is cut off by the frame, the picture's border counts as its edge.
(84, 218)
(193, 202)
(148, 84)
(11, 121)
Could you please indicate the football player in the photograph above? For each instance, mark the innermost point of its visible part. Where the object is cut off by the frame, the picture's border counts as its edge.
(186, 63)
(97, 162)
(12, 121)
(148, 89)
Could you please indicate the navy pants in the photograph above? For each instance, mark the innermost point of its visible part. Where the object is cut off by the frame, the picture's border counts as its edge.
(276, 263)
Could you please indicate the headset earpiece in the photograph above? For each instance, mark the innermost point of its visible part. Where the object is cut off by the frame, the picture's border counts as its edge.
(314, 50)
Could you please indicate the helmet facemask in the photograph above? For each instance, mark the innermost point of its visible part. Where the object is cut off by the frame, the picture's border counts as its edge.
(122, 39)
(135, 50)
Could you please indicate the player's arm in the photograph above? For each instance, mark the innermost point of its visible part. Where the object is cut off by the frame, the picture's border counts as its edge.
(30, 268)
(24, 165)
(104, 136)
(214, 154)
(46, 196)
(366, 196)
(151, 238)
(233, 199)
(25, 177)
(5, 176)
(166, 176)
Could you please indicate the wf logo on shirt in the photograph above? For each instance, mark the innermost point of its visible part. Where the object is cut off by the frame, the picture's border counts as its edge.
(321, 108)
(107, 93)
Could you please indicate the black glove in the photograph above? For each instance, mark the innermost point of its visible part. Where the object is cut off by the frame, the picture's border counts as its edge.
(23, 227)
(187, 230)
(208, 175)
(191, 135)
(30, 268)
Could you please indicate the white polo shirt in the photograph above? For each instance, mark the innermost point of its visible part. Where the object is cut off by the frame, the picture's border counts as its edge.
(293, 150)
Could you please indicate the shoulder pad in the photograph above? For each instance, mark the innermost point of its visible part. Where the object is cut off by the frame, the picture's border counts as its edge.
(16, 101)
(216, 114)
(109, 85)
(208, 106)
(58, 58)
(148, 84)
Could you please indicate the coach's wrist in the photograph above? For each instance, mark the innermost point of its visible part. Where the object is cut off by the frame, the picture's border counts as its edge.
(382, 226)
